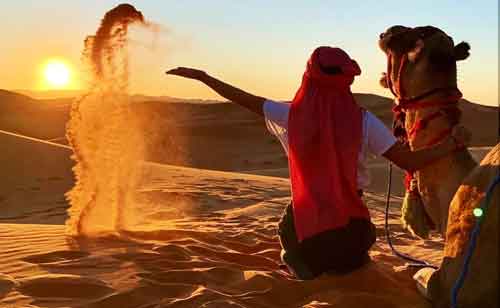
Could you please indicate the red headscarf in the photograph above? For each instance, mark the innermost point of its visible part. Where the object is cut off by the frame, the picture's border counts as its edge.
(324, 143)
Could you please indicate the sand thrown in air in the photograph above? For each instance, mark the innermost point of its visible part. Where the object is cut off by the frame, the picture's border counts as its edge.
(104, 131)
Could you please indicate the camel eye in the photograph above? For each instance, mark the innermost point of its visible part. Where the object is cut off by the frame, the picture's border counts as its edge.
(382, 35)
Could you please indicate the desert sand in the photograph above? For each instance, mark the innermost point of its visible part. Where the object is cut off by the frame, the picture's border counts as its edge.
(199, 237)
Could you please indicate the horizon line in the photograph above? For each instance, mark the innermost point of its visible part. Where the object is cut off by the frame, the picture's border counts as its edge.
(20, 91)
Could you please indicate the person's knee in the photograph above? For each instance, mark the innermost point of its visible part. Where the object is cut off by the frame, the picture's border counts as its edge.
(296, 265)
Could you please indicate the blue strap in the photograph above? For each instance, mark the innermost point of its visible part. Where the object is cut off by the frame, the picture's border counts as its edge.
(414, 262)
(472, 243)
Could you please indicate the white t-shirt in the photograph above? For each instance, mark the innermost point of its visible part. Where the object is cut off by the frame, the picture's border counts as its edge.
(377, 139)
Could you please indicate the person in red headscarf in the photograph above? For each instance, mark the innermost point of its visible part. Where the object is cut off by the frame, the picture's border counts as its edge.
(327, 136)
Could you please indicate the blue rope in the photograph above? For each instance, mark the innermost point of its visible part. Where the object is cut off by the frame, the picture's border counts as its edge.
(472, 243)
(415, 262)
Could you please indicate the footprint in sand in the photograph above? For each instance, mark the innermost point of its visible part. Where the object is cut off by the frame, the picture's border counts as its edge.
(147, 296)
(137, 256)
(56, 256)
(215, 277)
(173, 252)
(6, 284)
(63, 286)
(222, 304)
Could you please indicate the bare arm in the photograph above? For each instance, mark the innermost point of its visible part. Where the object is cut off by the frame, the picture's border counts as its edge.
(405, 158)
(402, 156)
(247, 100)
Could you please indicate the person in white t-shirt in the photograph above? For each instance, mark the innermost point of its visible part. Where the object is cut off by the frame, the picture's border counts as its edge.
(327, 138)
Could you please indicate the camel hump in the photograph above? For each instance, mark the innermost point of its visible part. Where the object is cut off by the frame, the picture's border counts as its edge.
(468, 197)
(480, 287)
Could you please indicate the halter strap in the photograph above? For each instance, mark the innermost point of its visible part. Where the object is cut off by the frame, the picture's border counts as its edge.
(444, 102)
(416, 99)
(415, 102)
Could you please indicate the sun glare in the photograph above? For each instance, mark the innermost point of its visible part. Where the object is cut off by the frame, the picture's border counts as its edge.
(57, 74)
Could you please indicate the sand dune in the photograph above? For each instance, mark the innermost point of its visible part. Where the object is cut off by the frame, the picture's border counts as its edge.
(205, 239)
(35, 177)
(195, 237)
(220, 249)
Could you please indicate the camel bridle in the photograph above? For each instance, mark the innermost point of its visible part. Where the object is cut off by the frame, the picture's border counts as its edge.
(421, 101)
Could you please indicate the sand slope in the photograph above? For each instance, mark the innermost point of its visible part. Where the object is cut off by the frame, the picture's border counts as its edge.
(206, 239)
(34, 178)
(194, 238)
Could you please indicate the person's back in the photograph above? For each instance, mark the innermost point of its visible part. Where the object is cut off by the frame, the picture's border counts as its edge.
(327, 137)
(327, 227)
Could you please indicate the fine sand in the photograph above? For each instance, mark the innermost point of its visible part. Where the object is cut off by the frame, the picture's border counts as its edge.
(197, 237)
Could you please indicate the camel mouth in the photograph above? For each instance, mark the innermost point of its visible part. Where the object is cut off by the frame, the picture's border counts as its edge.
(393, 34)
(393, 42)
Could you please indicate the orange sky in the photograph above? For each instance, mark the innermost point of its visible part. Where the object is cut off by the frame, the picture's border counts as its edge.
(262, 49)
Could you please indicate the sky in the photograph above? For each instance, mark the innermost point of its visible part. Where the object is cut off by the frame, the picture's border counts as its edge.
(259, 46)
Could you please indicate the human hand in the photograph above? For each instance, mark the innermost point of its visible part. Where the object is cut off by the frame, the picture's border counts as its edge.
(186, 72)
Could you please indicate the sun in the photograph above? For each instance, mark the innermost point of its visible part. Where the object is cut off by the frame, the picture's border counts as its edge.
(57, 74)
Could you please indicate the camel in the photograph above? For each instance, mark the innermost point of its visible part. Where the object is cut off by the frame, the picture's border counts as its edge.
(422, 65)
(481, 286)
(422, 70)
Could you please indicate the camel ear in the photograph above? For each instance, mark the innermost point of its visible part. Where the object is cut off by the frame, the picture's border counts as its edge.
(461, 51)
(415, 53)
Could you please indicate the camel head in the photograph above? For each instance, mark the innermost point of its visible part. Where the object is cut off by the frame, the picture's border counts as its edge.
(421, 67)
(420, 59)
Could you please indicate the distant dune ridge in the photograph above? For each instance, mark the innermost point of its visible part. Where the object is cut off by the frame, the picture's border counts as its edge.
(199, 133)
(51, 94)
(195, 126)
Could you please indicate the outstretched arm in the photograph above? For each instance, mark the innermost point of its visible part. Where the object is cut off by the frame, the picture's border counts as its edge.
(252, 102)
(405, 158)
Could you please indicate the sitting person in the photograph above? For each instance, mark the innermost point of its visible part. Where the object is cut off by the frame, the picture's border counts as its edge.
(327, 137)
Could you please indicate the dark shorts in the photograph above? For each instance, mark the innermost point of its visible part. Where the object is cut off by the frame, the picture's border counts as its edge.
(337, 251)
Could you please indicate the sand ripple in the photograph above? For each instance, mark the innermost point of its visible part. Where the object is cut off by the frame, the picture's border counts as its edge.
(204, 257)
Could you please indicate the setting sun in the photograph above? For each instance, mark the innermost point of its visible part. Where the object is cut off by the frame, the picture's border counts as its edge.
(57, 74)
